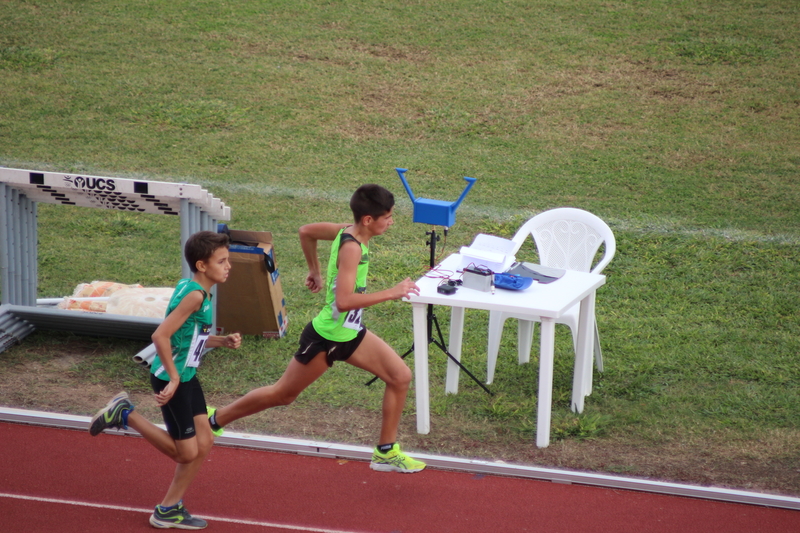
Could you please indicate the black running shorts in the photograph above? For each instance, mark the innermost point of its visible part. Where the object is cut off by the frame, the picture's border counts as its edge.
(179, 412)
(312, 343)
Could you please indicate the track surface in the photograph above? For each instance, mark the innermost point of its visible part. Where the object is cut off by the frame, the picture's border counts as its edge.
(56, 480)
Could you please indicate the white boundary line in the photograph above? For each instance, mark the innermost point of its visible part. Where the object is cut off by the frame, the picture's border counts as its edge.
(362, 453)
(638, 224)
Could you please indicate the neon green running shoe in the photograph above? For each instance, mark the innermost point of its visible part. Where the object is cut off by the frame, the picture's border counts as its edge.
(216, 432)
(112, 415)
(395, 461)
(176, 518)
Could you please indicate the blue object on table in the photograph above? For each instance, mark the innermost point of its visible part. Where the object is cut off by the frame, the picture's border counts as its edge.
(512, 282)
(434, 212)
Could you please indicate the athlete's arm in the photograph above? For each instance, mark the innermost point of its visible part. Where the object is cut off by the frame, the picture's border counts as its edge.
(161, 340)
(346, 299)
(309, 235)
(233, 341)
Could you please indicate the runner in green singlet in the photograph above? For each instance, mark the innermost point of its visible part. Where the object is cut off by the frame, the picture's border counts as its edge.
(180, 341)
(337, 333)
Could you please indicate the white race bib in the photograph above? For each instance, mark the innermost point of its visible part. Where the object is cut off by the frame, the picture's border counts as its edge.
(353, 320)
(198, 345)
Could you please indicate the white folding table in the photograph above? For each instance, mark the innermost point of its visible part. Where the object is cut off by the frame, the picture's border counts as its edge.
(546, 302)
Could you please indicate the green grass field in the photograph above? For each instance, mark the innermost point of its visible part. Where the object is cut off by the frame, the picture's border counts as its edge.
(676, 122)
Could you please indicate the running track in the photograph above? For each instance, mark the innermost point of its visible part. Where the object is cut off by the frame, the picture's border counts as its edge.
(60, 480)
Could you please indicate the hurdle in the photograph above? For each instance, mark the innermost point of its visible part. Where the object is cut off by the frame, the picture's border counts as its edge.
(20, 192)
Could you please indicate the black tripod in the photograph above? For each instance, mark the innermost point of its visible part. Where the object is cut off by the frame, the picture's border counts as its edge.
(432, 321)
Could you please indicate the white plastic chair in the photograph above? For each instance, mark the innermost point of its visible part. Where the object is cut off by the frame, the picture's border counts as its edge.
(566, 238)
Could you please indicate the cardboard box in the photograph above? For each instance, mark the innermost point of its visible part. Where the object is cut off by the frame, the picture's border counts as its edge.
(251, 301)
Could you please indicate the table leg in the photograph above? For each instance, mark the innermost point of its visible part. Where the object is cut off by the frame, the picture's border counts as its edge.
(420, 319)
(456, 334)
(524, 340)
(591, 330)
(582, 374)
(545, 402)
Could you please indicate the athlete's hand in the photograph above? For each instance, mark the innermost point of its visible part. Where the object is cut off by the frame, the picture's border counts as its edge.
(166, 393)
(406, 288)
(314, 282)
(233, 341)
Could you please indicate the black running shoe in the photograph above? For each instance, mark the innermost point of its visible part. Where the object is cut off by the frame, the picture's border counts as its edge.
(177, 518)
(110, 416)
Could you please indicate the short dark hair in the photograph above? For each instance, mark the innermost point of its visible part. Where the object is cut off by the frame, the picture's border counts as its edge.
(202, 245)
(372, 200)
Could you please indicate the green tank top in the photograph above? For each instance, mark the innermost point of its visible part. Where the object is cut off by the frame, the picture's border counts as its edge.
(190, 339)
(330, 322)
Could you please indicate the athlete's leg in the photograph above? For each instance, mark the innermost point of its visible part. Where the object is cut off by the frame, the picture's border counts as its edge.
(185, 472)
(177, 413)
(294, 380)
(162, 440)
(378, 358)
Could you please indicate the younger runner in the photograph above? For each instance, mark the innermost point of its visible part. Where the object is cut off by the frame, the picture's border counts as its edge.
(180, 341)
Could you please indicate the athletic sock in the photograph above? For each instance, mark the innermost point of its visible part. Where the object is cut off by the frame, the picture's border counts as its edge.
(171, 507)
(213, 421)
(125, 413)
(384, 448)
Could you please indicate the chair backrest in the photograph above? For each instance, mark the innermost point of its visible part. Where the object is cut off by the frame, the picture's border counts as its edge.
(569, 238)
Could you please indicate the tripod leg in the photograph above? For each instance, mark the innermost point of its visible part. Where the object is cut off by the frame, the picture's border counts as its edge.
(462, 367)
(440, 344)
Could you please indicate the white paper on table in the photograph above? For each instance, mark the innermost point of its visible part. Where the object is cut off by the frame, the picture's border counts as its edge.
(495, 253)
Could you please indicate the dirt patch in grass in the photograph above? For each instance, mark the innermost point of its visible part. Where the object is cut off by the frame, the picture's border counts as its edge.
(55, 384)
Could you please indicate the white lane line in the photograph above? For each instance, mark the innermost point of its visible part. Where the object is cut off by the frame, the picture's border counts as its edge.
(273, 525)
(76, 503)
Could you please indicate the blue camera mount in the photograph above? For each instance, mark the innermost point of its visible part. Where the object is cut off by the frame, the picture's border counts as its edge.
(434, 212)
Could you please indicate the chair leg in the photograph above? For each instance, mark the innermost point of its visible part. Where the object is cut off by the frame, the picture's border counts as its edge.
(598, 353)
(496, 321)
(575, 349)
(524, 340)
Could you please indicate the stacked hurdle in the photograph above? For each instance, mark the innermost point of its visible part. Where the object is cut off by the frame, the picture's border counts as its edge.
(21, 190)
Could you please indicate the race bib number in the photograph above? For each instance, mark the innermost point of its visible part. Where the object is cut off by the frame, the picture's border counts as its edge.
(198, 345)
(353, 320)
